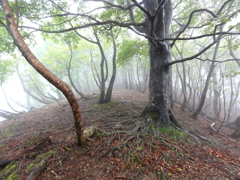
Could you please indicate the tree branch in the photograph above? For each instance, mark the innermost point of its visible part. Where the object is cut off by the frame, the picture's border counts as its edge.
(189, 20)
(87, 25)
(194, 56)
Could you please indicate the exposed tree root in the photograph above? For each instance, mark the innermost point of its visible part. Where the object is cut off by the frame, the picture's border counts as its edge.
(127, 145)
(38, 168)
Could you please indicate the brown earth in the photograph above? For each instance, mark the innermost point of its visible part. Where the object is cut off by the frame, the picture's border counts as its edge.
(48, 134)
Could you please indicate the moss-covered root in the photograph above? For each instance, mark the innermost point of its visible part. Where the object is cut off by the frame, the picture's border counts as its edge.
(9, 172)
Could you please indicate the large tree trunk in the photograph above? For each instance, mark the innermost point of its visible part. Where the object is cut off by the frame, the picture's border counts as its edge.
(36, 64)
(159, 109)
(159, 102)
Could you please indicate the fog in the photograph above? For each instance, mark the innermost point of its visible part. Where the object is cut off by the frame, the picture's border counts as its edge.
(14, 91)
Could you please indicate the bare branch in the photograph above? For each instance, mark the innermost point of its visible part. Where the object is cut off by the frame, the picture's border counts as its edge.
(177, 4)
(87, 25)
(194, 56)
(111, 5)
(139, 29)
(142, 8)
(87, 39)
(224, 4)
(189, 20)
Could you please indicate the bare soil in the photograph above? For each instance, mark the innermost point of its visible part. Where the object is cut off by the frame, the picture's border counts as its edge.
(48, 134)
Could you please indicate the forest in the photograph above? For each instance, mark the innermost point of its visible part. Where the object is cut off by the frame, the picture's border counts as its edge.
(119, 89)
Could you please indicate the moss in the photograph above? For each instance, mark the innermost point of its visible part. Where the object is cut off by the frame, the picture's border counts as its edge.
(42, 156)
(167, 130)
(8, 134)
(104, 106)
(29, 167)
(32, 141)
(38, 159)
(5, 130)
(9, 167)
(13, 176)
(7, 170)
(174, 133)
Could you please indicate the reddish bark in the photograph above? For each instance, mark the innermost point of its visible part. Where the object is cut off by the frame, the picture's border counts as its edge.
(47, 74)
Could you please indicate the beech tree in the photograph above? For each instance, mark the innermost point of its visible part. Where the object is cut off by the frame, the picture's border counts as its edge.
(163, 23)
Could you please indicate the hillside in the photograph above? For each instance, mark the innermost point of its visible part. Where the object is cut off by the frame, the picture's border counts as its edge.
(45, 137)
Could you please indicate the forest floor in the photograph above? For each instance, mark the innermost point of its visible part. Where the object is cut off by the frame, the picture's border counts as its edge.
(46, 138)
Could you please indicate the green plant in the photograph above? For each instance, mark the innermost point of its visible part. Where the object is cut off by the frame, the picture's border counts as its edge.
(102, 134)
(68, 148)
(139, 148)
(179, 169)
(152, 127)
(154, 116)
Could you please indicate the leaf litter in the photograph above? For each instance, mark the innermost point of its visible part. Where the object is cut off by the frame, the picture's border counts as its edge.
(116, 155)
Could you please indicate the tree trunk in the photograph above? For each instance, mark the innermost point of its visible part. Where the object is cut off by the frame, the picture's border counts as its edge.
(236, 133)
(48, 75)
(205, 89)
(69, 71)
(183, 81)
(159, 110)
(159, 97)
(108, 96)
(204, 92)
(216, 98)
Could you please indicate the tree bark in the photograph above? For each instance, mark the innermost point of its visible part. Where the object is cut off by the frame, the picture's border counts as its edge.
(159, 109)
(216, 98)
(48, 75)
(204, 93)
(159, 97)
(108, 96)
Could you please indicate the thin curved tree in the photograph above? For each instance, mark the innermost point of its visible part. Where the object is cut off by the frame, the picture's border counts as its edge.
(12, 29)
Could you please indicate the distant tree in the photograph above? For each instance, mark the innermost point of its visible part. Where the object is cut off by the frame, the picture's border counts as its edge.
(105, 95)
(6, 70)
(133, 54)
